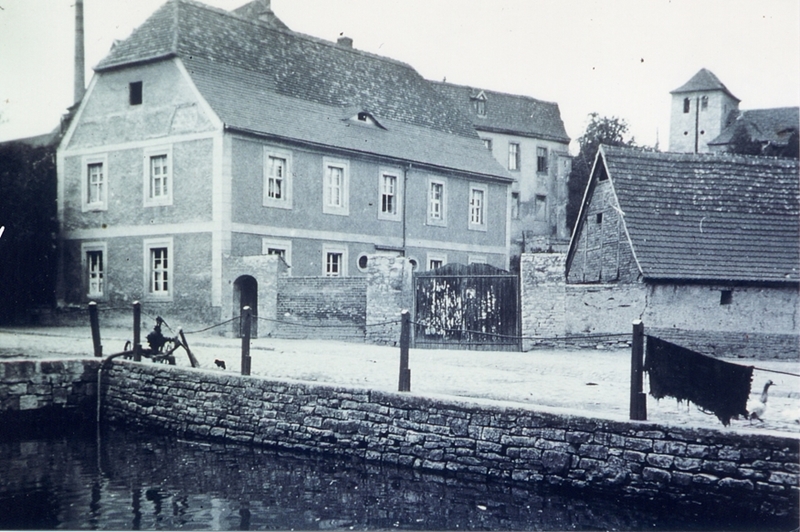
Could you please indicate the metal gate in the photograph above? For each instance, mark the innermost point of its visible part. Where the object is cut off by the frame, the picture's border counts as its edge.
(467, 307)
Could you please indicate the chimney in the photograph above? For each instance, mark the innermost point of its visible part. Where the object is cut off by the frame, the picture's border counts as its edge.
(344, 42)
(80, 82)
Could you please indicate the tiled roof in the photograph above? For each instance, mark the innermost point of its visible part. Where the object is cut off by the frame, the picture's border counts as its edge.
(267, 80)
(764, 125)
(710, 216)
(704, 80)
(508, 113)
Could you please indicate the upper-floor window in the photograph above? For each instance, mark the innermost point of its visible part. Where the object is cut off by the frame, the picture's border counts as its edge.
(477, 207)
(513, 156)
(487, 143)
(687, 104)
(436, 203)
(336, 187)
(94, 268)
(135, 92)
(94, 195)
(277, 179)
(704, 103)
(158, 177)
(389, 183)
(541, 160)
(158, 267)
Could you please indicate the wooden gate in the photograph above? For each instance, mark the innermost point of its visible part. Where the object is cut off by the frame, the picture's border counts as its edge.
(467, 307)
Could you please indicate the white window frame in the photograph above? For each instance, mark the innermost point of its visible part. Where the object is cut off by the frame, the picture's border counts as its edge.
(149, 155)
(441, 219)
(543, 158)
(94, 247)
(435, 257)
(487, 143)
(517, 157)
(286, 201)
(394, 216)
(358, 262)
(479, 225)
(285, 245)
(149, 245)
(343, 206)
(332, 248)
(102, 203)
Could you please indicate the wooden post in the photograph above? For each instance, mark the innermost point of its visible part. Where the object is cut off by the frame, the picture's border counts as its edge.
(95, 324)
(405, 339)
(246, 316)
(638, 403)
(137, 331)
(192, 359)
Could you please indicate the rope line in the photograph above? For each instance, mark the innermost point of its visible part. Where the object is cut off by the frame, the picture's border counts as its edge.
(212, 326)
(776, 371)
(537, 338)
(325, 326)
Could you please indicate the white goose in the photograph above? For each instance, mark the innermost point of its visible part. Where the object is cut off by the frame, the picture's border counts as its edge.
(758, 408)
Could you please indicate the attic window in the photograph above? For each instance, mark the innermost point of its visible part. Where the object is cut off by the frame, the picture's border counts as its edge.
(726, 297)
(363, 117)
(602, 175)
(479, 104)
(599, 218)
(135, 92)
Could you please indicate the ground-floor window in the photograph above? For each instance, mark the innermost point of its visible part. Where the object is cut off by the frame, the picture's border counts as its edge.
(159, 267)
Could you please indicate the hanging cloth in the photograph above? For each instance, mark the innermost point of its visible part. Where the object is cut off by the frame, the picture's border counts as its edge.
(714, 385)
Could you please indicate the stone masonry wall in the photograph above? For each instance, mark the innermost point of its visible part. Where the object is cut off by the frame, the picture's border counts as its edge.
(543, 296)
(321, 307)
(755, 472)
(389, 292)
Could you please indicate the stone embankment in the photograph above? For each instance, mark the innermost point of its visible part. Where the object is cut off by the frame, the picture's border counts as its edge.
(753, 473)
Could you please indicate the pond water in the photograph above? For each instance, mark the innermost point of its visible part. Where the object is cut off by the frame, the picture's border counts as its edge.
(133, 481)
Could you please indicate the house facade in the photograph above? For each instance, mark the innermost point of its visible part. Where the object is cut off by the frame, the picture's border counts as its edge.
(210, 142)
(705, 249)
(527, 137)
(705, 116)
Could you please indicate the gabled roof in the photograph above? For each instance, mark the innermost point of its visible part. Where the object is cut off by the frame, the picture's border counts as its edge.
(707, 217)
(508, 113)
(773, 126)
(264, 79)
(704, 80)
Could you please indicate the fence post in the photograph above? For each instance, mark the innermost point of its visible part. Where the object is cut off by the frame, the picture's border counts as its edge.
(638, 403)
(246, 316)
(137, 331)
(405, 340)
(95, 324)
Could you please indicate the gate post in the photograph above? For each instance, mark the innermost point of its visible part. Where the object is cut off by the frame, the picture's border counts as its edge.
(246, 316)
(405, 336)
(638, 402)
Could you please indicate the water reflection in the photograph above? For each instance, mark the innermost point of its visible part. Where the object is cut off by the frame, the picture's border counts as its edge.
(145, 482)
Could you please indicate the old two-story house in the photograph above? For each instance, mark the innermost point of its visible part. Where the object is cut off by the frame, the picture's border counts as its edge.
(209, 140)
(526, 136)
(705, 116)
(704, 248)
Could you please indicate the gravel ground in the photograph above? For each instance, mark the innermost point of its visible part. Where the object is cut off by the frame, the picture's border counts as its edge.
(584, 382)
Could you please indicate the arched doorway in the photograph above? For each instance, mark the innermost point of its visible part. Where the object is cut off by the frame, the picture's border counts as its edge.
(245, 294)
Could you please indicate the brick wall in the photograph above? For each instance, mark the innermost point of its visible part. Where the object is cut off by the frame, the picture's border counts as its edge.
(756, 472)
(321, 307)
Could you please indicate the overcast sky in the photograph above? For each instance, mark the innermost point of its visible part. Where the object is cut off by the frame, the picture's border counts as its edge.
(615, 57)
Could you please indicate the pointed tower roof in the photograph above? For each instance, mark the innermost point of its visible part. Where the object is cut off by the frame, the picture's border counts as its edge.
(704, 80)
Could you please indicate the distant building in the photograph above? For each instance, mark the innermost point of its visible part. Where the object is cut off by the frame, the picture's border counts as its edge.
(209, 139)
(705, 117)
(526, 136)
(705, 248)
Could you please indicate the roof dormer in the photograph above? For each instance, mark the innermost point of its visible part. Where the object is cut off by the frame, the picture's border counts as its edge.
(364, 118)
(479, 103)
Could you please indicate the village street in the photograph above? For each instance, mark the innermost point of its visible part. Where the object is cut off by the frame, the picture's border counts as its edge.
(586, 382)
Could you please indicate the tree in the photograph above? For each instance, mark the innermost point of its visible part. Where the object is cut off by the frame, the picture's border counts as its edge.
(28, 214)
(612, 131)
(743, 144)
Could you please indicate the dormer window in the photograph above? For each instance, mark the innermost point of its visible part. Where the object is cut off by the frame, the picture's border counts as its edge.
(479, 104)
(365, 118)
(135, 93)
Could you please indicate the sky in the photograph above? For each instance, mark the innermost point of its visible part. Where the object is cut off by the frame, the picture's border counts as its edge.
(615, 57)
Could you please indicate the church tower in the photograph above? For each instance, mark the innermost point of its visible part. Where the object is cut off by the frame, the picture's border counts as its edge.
(701, 108)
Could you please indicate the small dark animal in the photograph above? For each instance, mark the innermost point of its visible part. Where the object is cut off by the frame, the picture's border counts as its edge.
(220, 363)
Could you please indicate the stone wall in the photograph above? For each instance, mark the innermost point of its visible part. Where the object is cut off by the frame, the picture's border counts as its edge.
(35, 392)
(543, 296)
(756, 472)
(389, 291)
(321, 307)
